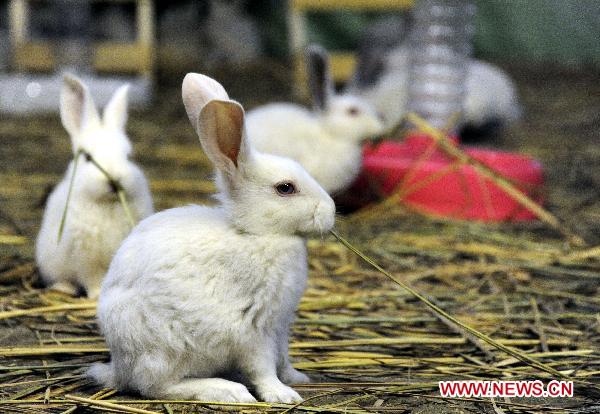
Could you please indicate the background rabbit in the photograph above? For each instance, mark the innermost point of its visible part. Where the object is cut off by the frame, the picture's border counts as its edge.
(325, 140)
(196, 292)
(490, 94)
(95, 223)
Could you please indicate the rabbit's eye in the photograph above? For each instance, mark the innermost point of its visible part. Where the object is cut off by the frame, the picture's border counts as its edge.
(353, 111)
(285, 188)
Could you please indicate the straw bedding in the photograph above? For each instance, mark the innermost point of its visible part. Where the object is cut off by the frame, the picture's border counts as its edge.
(368, 345)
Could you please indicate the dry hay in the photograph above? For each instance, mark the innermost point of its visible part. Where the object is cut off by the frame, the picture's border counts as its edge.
(362, 339)
(368, 345)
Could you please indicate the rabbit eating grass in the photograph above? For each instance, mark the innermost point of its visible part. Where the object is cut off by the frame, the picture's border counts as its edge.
(196, 293)
(96, 223)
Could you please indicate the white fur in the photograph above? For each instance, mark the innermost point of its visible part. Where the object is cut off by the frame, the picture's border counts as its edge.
(326, 141)
(490, 95)
(96, 223)
(198, 292)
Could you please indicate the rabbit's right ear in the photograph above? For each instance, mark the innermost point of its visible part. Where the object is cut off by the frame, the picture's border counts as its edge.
(221, 132)
(197, 90)
(319, 77)
(77, 108)
(370, 66)
(115, 112)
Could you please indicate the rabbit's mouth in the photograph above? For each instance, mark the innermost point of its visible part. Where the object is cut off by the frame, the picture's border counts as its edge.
(323, 218)
(113, 186)
(311, 227)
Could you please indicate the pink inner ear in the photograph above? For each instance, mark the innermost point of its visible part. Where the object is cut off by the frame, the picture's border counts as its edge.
(232, 154)
(229, 133)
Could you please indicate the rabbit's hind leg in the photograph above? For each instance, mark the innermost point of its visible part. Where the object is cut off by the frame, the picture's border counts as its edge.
(290, 375)
(285, 371)
(158, 375)
(207, 389)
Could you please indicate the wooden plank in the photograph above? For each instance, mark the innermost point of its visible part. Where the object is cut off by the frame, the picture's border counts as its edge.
(145, 34)
(122, 57)
(342, 65)
(34, 56)
(108, 56)
(18, 11)
(312, 5)
(298, 39)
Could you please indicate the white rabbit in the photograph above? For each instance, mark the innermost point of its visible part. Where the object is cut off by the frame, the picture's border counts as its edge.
(326, 140)
(490, 95)
(197, 292)
(95, 223)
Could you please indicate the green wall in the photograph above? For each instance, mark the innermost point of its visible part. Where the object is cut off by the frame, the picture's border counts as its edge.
(555, 31)
(561, 31)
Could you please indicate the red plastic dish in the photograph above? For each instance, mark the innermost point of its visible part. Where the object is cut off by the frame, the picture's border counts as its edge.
(434, 184)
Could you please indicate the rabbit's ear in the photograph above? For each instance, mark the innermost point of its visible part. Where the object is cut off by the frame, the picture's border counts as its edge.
(319, 77)
(115, 112)
(370, 66)
(77, 108)
(197, 90)
(221, 132)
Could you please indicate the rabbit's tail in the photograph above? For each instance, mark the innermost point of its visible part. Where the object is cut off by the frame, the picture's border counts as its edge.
(103, 374)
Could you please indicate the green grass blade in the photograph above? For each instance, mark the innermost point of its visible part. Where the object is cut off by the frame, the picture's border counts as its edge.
(515, 353)
(63, 219)
(123, 200)
(120, 190)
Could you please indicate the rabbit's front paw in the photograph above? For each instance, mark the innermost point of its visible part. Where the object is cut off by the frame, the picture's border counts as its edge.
(290, 375)
(65, 287)
(93, 293)
(279, 393)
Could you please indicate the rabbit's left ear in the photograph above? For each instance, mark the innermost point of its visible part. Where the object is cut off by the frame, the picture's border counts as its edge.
(115, 112)
(319, 77)
(197, 90)
(77, 108)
